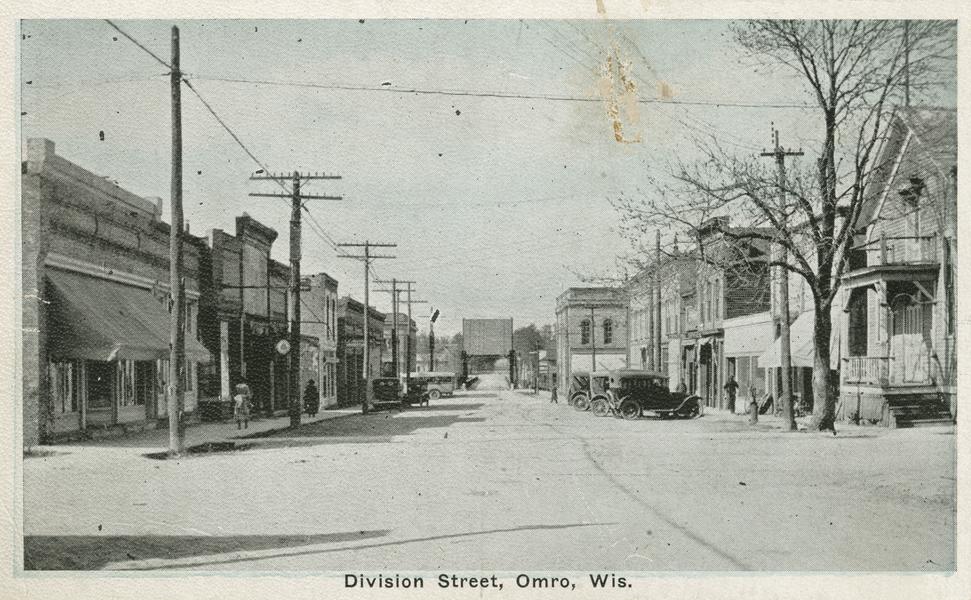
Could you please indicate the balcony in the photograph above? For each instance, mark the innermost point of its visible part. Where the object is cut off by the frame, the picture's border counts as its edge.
(893, 258)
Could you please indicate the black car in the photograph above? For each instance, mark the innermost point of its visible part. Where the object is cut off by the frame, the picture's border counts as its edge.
(630, 393)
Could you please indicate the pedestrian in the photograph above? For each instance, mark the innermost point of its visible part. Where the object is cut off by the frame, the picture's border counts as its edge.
(311, 398)
(553, 398)
(753, 407)
(731, 388)
(241, 406)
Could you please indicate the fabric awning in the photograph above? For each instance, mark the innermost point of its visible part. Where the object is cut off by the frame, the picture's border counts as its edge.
(800, 344)
(750, 338)
(96, 319)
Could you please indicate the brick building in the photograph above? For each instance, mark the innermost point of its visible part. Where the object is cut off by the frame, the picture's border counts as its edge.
(591, 331)
(244, 314)
(95, 275)
(320, 322)
(350, 348)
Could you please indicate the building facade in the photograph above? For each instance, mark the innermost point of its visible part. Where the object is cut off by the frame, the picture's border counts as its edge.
(95, 276)
(591, 331)
(407, 340)
(319, 321)
(350, 349)
(899, 360)
(245, 306)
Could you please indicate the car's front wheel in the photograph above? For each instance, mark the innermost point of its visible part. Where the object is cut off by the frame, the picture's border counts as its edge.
(434, 394)
(581, 402)
(600, 407)
(629, 409)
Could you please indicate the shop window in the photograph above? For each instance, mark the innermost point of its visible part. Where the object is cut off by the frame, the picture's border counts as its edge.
(100, 384)
(64, 386)
(584, 332)
(126, 383)
(608, 331)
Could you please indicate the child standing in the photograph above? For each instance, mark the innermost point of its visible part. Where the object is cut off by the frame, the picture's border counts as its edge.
(241, 406)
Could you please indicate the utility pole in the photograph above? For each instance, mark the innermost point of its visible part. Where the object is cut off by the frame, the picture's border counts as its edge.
(785, 347)
(395, 304)
(296, 212)
(176, 391)
(410, 301)
(367, 257)
(431, 340)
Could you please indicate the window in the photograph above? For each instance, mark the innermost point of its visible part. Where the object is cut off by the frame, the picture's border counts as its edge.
(949, 286)
(64, 386)
(188, 376)
(718, 289)
(584, 332)
(608, 331)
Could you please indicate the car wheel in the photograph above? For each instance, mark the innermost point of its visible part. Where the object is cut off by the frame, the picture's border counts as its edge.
(434, 394)
(599, 407)
(629, 409)
(581, 402)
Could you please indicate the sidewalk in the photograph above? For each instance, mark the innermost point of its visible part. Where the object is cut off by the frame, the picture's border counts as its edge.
(200, 433)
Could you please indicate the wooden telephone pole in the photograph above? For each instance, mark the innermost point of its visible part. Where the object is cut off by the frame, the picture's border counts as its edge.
(395, 292)
(367, 257)
(785, 344)
(176, 388)
(296, 210)
(396, 302)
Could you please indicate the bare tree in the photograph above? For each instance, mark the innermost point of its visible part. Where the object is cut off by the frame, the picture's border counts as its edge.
(857, 73)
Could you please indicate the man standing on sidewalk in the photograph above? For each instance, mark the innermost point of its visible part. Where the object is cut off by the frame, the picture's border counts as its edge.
(731, 388)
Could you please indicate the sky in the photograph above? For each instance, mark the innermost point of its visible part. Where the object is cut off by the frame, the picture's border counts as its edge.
(497, 204)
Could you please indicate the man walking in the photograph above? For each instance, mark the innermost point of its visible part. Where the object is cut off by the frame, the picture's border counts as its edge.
(731, 388)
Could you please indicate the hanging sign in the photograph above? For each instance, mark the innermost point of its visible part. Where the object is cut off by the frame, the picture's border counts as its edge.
(283, 347)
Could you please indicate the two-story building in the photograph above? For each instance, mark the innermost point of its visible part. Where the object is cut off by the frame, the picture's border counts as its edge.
(319, 321)
(245, 305)
(350, 349)
(899, 358)
(591, 331)
(95, 316)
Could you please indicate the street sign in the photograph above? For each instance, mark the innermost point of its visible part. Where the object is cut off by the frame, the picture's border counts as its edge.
(283, 347)
(305, 284)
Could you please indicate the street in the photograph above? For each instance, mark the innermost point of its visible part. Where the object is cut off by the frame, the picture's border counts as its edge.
(504, 481)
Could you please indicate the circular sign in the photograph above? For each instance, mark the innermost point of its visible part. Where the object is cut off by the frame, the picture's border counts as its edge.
(283, 346)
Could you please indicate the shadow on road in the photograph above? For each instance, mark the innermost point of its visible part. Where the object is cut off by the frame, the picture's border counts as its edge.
(373, 428)
(94, 552)
(432, 406)
(366, 546)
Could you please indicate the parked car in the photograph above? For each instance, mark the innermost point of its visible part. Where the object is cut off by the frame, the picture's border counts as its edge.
(580, 396)
(629, 393)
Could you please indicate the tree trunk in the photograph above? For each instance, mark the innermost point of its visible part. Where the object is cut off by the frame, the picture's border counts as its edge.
(824, 402)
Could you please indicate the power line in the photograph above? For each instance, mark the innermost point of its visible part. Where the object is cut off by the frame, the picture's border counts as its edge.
(490, 94)
(137, 43)
(316, 227)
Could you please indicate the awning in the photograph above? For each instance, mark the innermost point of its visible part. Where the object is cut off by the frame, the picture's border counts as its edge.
(96, 319)
(749, 338)
(801, 346)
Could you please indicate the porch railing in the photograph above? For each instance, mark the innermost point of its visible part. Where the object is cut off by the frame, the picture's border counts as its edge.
(873, 370)
(900, 250)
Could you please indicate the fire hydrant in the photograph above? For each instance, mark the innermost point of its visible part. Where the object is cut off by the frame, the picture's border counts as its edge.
(753, 412)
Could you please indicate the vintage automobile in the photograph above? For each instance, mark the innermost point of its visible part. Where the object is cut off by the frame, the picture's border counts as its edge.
(629, 393)
(579, 396)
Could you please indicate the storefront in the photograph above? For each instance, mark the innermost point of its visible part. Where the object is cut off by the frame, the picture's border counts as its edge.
(108, 352)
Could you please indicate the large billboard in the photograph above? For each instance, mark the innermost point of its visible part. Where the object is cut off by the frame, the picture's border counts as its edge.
(487, 337)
